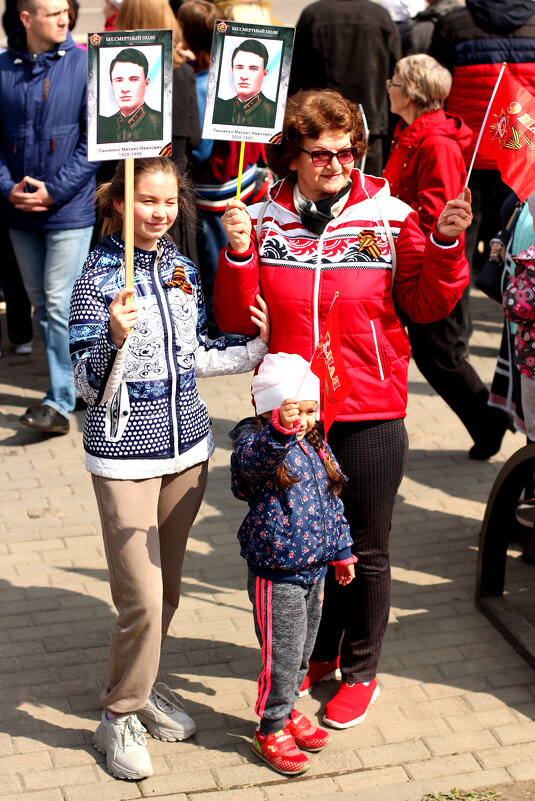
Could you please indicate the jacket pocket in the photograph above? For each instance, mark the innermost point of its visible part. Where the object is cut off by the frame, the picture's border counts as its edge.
(56, 145)
(381, 349)
(117, 414)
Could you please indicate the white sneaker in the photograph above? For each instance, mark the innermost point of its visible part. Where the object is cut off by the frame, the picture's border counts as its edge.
(123, 741)
(24, 349)
(164, 715)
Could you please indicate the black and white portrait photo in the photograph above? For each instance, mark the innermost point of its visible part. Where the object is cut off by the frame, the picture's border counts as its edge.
(247, 81)
(129, 102)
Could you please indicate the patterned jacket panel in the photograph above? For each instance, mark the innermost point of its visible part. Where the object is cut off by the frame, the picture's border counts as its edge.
(142, 399)
(298, 529)
(519, 306)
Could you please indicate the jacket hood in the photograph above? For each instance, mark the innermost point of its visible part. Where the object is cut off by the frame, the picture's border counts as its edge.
(433, 123)
(501, 16)
(18, 48)
(242, 429)
(438, 9)
(363, 187)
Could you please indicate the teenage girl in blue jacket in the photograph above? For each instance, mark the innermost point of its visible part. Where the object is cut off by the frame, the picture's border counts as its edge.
(294, 527)
(147, 439)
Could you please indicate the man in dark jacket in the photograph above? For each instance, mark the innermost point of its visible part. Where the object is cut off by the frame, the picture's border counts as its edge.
(351, 46)
(47, 184)
(473, 42)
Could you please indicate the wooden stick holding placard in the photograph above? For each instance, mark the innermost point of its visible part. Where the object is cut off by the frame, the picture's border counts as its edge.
(129, 225)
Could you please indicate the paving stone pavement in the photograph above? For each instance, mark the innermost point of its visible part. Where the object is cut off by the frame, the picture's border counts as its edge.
(457, 704)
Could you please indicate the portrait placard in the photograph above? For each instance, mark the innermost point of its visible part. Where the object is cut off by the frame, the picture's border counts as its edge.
(247, 81)
(129, 94)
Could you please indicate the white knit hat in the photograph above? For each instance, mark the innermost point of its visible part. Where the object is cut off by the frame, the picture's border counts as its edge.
(531, 204)
(279, 377)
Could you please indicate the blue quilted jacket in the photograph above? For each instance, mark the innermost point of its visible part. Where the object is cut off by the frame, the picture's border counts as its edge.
(288, 534)
(43, 133)
(145, 417)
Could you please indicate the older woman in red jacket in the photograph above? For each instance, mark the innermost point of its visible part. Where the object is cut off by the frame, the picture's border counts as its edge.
(425, 168)
(327, 228)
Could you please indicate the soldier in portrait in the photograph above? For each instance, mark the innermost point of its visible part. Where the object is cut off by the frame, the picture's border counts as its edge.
(249, 107)
(135, 120)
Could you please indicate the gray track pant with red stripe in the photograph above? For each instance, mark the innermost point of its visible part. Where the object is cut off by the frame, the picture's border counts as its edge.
(286, 618)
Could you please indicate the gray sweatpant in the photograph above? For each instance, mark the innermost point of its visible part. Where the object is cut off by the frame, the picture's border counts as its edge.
(286, 619)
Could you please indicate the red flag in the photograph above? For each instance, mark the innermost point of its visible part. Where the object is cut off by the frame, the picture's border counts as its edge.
(508, 135)
(327, 363)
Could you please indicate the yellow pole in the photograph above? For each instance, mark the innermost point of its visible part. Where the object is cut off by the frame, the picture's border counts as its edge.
(240, 169)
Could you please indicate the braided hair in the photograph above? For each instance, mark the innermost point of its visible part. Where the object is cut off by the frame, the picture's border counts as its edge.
(282, 476)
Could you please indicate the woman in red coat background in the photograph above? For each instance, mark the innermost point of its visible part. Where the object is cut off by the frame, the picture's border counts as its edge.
(424, 169)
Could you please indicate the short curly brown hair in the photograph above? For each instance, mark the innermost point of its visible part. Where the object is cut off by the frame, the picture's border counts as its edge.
(309, 114)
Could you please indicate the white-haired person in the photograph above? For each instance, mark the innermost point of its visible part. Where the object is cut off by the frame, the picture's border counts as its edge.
(424, 169)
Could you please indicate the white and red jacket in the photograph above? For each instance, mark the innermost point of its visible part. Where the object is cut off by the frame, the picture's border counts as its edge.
(298, 272)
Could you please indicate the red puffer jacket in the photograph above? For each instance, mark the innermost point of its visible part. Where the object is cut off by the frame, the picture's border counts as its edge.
(298, 272)
(426, 167)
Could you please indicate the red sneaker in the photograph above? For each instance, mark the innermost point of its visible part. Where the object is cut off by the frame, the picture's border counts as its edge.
(319, 671)
(306, 735)
(350, 704)
(281, 752)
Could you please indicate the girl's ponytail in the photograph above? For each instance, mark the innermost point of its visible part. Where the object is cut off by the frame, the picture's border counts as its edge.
(111, 219)
(283, 478)
(336, 480)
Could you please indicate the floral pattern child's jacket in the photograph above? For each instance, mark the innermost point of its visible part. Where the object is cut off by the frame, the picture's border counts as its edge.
(288, 534)
(519, 306)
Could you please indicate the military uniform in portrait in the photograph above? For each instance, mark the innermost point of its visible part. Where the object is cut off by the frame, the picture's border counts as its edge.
(257, 112)
(144, 124)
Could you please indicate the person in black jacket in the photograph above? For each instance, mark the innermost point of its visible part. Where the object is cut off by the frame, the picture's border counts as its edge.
(351, 46)
(418, 33)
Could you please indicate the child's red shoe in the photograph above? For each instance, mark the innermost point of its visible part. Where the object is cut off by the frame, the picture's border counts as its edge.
(319, 671)
(306, 735)
(350, 704)
(281, 752)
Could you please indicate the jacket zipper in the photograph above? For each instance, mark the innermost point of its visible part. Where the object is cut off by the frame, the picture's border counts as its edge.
(317, 279)
(170, 355)
(320, 502)
(377, 352)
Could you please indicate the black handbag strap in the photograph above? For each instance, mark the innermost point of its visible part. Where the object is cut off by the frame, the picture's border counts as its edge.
(511, 222)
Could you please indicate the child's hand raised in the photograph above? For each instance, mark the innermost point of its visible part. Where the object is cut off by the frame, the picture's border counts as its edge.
(289, 412)
(260, 316)
(123, 316)
(344, 574)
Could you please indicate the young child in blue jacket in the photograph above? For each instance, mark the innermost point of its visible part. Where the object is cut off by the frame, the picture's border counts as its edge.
(294, 527)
